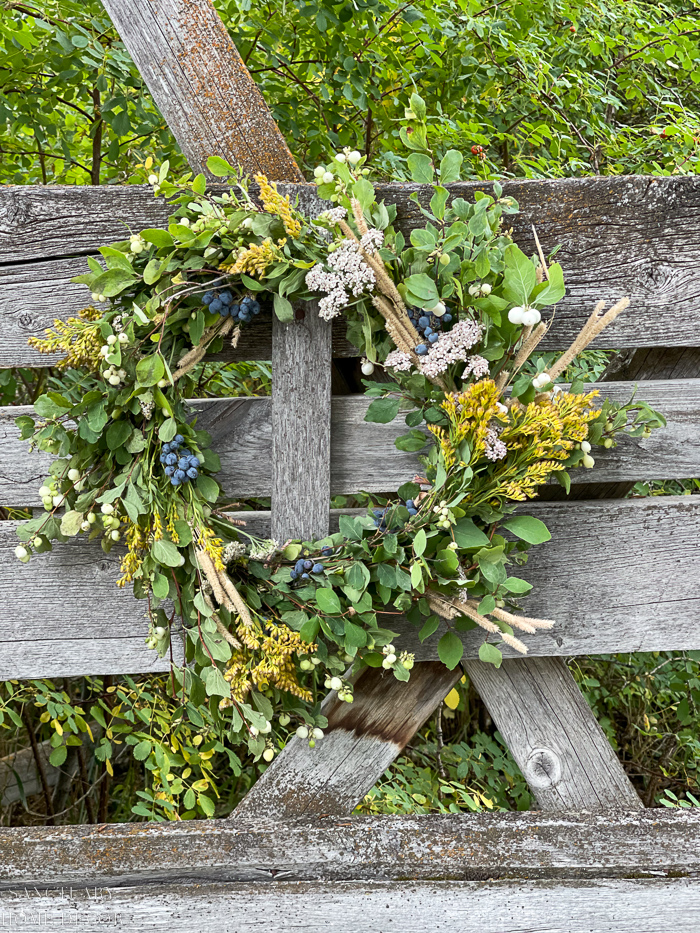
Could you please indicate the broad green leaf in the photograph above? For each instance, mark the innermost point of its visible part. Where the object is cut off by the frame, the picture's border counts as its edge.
(142, 750)
(422, 287)
(328, 602)
(150, 369)
(208, 487)
(450, 650)
(220, 168)
(520, 277)
(419, 542)
(216, 685)
(450, 166)
(421, 168)
(467, 535)
(516, 585)
(528, 529)
(383, 410)
(71, 522)
(490, 654)
(157, 237)
(167, 430)
(161, 587)
(113, 281)
(283, 308)
(166, 553)
(117, 434)
(363, 190)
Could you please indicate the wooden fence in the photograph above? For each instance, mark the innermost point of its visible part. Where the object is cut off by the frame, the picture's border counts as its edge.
(618, 575)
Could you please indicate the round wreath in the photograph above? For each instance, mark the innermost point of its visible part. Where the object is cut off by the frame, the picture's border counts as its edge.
(453, 317)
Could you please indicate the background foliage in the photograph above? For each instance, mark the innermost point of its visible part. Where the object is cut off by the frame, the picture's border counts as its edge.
(547, 88)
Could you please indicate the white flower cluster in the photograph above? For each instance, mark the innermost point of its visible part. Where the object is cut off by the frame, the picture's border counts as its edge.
(349, 273)
(334, 215)
(147, 406)
(398, 360)
(233, 551)
(476, 366)
(264, 550)
(451, 347)
(372, 241)
(495, 448)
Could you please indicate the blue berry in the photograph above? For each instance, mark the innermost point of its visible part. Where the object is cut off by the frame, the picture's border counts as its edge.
(421, 349)
(171, 459)
(327, 551)
(423, 320)
(207, 298)
(169, 470)
(180, 476)
(178, 439)
(317, 568)
(410, 504)
(293, 574)
(304, 576)
(175, 481)
(192, 473)
(225, 297)
(255, 307)
(428, 331)
(447, 317)
(184, 463)
(413, 511)
(166, 448)
(299, 566)
(216, 305)
(235, 310)
(308, 564)
(433, 337)
(224, 310)
(194, 462)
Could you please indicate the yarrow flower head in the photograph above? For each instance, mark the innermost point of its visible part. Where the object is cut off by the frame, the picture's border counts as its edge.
(349, 274)
(263, 550)
(334, 215)
(372, 241)
(495, 448)
(398, 360)
(453, 347)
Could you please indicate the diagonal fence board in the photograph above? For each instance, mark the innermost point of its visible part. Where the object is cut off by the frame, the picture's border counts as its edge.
(617, 576)
(601, 906)
(457, 847)
(363, 455)
(551, 732)
(201, 85)
(648, 252)
(361, 741)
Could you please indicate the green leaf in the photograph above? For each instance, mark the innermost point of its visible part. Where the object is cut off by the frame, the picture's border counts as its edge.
(383, 410)
(199, 185)
(71, 522)
(283, 308)
(150, 369)
(159, 238)
(161, 587)
(412, 442)
(142, 750)
(467, 535)
(220, 168)
(166, 553)
(421, 168)
(450, 650)
(208, 487)
(355, 635)
(528, 529)
(328, 602)
(490, 654)
(113, 281)
(117, 433)
(450, 166)
(422, 287)
(516, 585)
(47, 407)
(206, 803)
(216, 685)
(189, 799)
(309, 629)
(58, 756)
(419, 542)
(554, 289)
(520, 277)
(363, 190)
(431, 626)
(167, 430)
(151, 273)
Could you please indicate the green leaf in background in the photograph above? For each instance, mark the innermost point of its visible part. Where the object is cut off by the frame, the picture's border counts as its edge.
(466, 534)
(383, 410)
(113, 281)
(528, 529)
(422, 287)
(117, 433)
(220, 168)
(421, 168)
(490, 654)
(167, 430)
(450, 650)
(283, 308)
(450, 166)
(412, 442)
(208, 487)
(216, 685)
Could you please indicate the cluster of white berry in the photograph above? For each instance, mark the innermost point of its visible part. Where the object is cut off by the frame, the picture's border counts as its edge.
(524, 315)
(137, 244)
(343, 690)
(313, 735)
(477, 291)
(405, 659)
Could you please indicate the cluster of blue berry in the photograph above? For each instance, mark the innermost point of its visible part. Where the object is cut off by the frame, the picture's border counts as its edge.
(380, 515)
(428, 325)
(223, 303)
(304, 566)
(180, 465)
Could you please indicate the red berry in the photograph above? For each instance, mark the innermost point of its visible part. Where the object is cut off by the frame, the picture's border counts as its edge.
(477, 149)
(572, 29)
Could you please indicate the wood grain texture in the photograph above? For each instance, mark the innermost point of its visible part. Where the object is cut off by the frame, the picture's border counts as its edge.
(301, 426)
(201, 86)
(617, 576)
(458, 847)
(635, 234)
(553, 735)
(615, 906)
(361, 741)
(363, 456)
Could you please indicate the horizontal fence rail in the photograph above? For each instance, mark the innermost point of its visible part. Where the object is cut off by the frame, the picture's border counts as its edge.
(630, 235)
(617, 576)
(455, 847)
(363, 454)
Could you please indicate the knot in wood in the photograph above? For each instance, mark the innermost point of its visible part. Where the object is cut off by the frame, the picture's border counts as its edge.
(542, 768)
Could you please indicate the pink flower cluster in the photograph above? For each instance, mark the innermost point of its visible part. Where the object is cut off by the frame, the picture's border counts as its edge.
(495, 448)
(349, 273)
(372, 241)
(453, 347)
(399, 360)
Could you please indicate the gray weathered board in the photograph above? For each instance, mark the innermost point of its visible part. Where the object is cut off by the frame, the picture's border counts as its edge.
(599, 906)
(635, 234)
(457, 847)
(363, 456)
(617, 576)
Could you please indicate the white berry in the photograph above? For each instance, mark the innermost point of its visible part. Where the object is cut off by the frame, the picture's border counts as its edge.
(303, 732)
(438, 309)
(541, 380)
(336, 683)
(531, 317)
(107, 508)
(515, 315)
(588, 461)
(112, 339)
(73, 475)
(340, 157)
(44, 491)
(354, 157)
(585, 447)
(159, 631)
(57, 500)
(152, 179)
(319, 171)
(268, 754)
(21, 552)
(123, 338)
(367, 368)
(328, 178)
(317, 733)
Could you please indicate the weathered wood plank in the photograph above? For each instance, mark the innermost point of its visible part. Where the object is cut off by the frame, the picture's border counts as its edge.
(553, 735)
(301, 426)
(633, 233)
(458, 847)
(363, 456)
(201, 85)
(361, 741)
(619, 906)
(617, 576)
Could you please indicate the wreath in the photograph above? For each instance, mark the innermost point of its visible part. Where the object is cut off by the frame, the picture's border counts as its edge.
(453, 317)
